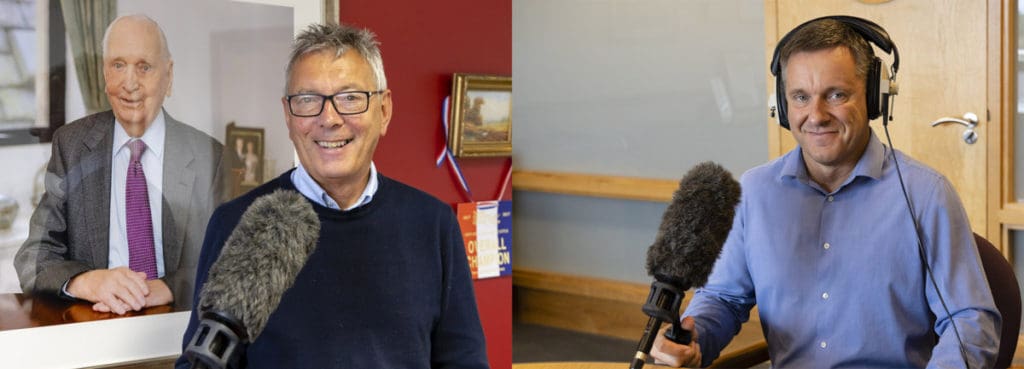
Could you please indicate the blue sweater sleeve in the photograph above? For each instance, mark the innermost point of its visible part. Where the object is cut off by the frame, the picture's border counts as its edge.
(458, 340)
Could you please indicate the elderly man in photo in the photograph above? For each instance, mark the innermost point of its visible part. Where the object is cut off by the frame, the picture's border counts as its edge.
(128, 191)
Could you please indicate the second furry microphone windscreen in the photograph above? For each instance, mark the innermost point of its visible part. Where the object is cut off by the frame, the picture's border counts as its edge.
(694, 227)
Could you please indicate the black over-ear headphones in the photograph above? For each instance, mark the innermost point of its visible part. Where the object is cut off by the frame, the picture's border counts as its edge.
(880, 86)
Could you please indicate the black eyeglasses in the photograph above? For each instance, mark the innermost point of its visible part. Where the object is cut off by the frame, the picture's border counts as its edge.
(345, 103)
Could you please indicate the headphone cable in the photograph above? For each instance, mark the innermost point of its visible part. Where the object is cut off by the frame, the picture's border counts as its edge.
(917, 230)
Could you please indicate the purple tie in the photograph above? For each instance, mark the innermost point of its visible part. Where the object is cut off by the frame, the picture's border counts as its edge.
(141, 254)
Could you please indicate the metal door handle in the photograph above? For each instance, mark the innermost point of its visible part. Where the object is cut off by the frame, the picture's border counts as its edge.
(970, 121)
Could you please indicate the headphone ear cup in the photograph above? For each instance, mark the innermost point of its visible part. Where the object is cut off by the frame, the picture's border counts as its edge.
(873, 83)
(780, 101)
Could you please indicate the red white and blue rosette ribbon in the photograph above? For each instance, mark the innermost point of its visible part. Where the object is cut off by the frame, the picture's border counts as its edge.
(446, 153)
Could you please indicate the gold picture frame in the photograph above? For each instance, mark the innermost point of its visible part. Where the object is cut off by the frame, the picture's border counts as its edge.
(245, 146)
(480, 115)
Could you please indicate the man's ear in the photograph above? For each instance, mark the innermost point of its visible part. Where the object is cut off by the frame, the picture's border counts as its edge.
(170, 77)
(385, 111)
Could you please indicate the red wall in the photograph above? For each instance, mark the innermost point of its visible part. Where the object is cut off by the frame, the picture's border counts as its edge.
(423, 43)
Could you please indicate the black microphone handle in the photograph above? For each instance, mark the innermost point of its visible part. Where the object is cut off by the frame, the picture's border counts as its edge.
(662, 305)
(219, 342)
(646, 342)
(676, 333)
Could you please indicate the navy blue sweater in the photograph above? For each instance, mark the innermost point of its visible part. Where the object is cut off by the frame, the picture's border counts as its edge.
(387, 286)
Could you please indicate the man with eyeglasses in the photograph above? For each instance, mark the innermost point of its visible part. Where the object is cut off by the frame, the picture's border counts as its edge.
(388, 285)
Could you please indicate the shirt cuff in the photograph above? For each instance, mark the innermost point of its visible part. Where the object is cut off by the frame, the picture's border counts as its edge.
(64, 290)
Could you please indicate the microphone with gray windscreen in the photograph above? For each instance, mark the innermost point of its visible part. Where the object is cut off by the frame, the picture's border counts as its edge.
(258, 263)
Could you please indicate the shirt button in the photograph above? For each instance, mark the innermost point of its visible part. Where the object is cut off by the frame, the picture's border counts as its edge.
(830, 199)
(826, 246)
(823, 344)
(824, 296)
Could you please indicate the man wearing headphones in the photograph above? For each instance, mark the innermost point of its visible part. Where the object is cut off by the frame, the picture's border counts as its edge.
(823, 242)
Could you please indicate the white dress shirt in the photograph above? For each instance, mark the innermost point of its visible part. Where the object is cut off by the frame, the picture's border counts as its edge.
(153, 166)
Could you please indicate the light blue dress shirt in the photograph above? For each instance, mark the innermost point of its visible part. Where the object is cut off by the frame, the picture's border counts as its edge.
(309, 188)
(836, 276)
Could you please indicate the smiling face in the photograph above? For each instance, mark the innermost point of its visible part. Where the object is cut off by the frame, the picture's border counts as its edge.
(336, 149)
(827, 110)
(138, 73)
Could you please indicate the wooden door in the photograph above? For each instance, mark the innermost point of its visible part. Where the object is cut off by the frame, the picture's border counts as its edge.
(943, 73)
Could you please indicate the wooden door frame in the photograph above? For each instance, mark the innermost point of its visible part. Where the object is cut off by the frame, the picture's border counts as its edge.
(1004, 213)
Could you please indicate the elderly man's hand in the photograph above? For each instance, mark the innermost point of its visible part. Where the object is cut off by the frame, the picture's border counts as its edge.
(120, 289)
(159, 294)
(666, 352)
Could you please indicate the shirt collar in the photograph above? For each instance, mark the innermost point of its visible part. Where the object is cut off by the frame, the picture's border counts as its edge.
(153, 137)
(869, 165)
(312, 190)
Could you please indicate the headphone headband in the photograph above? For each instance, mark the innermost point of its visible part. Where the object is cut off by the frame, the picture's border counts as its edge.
(872, 33)
(869, 30)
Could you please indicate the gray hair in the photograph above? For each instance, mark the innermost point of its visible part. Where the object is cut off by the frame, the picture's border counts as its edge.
(139, 17)
(339, 38)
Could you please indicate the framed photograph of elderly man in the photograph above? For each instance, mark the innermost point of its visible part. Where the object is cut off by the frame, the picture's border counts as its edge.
(480, 115)
(246, 147)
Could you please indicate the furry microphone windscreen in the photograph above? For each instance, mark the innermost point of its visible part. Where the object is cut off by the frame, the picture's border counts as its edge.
(694, 227)
(261, 259)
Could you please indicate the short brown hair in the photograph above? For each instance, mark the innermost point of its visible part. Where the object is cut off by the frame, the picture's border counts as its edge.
(826, 34)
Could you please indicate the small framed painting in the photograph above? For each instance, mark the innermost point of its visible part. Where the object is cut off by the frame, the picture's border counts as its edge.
(480, 115)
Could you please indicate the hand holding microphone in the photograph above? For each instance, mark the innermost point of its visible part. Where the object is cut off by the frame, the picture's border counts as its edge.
(668, 353)
(690, 238)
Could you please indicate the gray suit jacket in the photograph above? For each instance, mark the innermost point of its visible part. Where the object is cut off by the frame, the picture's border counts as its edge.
(69, 229)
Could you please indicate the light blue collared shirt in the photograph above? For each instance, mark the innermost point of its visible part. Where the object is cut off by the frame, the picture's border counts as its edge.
(309, 188)
(836, 276)
(153, 167)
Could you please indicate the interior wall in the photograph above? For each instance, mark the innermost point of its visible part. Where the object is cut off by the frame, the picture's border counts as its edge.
(423, 43)
(247, 78)
(229, 60)
(631, 88)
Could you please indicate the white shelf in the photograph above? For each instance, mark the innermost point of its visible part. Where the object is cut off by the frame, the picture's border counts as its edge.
(122, 340)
